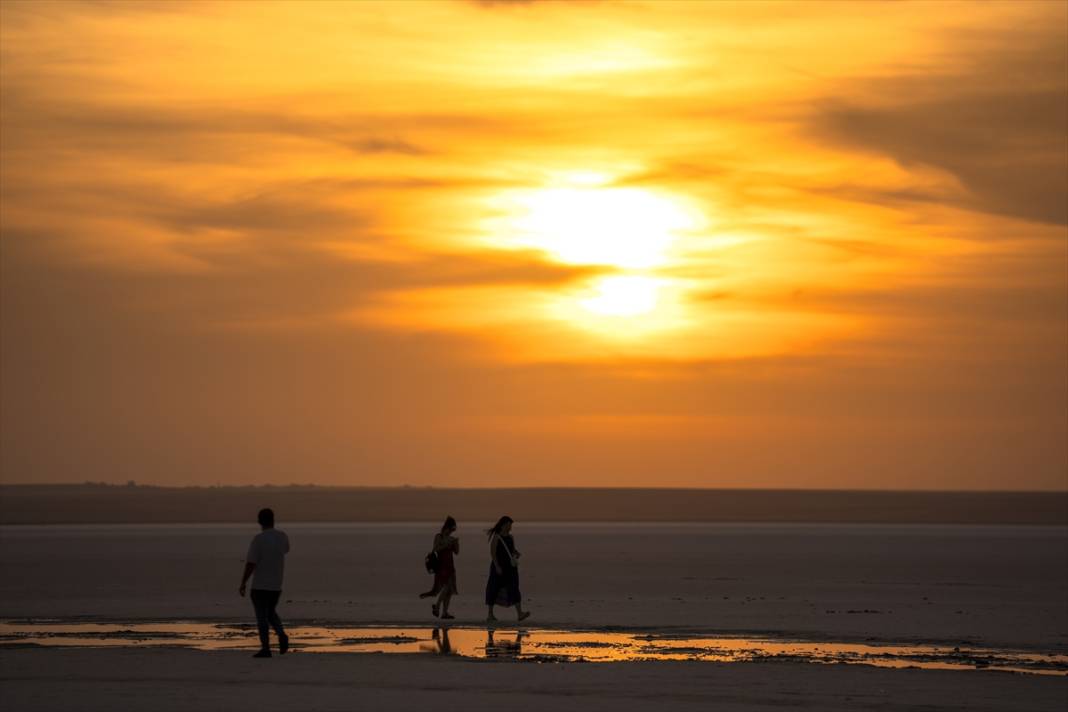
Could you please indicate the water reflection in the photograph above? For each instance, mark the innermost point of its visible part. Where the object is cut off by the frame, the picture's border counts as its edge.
(503, 647)
(441, 640)
(523, 644)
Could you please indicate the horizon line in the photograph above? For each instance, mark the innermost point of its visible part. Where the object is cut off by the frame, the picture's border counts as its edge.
(132, 484)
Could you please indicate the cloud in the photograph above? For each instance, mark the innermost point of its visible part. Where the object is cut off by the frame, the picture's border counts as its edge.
(162, 130)
(383, 145)
(194, 202)
(1007, 149)
(997, 127)
(505, 3)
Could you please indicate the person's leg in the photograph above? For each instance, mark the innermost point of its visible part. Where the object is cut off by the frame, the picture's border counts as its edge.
(276, 622)
(515, 595)
(446, 596)
(272, 613)
(491, 593)
(260, 605)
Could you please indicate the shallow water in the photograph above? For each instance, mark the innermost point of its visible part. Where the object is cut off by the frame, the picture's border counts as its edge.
(534, 644)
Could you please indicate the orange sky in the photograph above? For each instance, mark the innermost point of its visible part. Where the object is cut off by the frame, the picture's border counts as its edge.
(535, 243)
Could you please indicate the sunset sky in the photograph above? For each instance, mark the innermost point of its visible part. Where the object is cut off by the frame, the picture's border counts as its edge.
(694, 244)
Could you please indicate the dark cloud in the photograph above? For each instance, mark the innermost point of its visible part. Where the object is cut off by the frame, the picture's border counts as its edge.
(968, 306)
(1007, 149)
(190, 133)
(998, 128)
(276, 272)
(384, 145)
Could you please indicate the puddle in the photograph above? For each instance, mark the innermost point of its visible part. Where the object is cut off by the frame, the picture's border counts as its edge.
(535, 644)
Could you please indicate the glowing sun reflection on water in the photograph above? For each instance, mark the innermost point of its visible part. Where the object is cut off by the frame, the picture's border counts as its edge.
(530, 644)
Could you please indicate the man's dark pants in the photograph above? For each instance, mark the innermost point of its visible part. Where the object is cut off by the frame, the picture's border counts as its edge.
(264, 602)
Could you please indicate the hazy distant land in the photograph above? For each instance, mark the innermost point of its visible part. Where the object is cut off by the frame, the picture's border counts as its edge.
(98, 503)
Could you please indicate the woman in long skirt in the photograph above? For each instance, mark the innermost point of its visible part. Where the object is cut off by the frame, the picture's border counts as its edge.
(502, 588)
(445, 546)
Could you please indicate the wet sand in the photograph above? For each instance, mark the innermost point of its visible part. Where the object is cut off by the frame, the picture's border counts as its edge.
(181, 680)
(993, 587)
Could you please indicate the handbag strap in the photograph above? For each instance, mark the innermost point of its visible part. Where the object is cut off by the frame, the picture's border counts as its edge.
(511, 556)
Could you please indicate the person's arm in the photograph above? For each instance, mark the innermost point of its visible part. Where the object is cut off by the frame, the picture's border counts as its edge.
(455, 545)
(250, 565)
(249, 568)
(493, 554)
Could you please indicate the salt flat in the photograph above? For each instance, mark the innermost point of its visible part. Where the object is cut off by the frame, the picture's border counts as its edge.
(998, 586)
(181, 680)
(992, 586)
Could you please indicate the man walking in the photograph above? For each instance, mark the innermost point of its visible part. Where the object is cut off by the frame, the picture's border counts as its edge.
(266, 563)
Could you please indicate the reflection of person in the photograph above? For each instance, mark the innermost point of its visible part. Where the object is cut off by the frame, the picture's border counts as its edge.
(502, 588)
(441, 637)
(503, 648)
(445, 546)
(265, 562)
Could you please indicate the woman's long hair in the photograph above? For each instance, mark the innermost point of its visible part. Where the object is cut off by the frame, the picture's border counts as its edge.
(496, 529)
(450, 523)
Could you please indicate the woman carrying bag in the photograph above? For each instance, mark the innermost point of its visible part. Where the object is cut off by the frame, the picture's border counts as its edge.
(502, 588)
(440, 560)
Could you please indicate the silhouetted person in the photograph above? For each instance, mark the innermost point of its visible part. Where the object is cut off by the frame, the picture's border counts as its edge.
(445, 547)
(502, 588)
(266, 564)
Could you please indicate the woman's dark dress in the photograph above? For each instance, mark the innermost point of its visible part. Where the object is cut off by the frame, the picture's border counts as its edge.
(503, 589)
(445, 574)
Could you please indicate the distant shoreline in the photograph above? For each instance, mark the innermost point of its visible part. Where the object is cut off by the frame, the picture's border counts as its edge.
(136, 504)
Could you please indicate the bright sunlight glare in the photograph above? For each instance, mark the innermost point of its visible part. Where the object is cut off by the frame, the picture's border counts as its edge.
(624, 295)
(628, 228)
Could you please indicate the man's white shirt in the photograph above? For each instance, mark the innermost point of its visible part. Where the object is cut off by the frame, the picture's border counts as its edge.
(268, 551)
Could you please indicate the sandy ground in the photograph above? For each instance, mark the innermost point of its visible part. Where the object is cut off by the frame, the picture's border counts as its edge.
(990, 586)
(182, 680)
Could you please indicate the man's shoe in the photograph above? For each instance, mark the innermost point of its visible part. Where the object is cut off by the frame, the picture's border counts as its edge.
(263, 654)
(283, 644)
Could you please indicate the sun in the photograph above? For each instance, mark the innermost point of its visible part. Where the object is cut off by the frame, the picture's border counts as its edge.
(626, 228)
(623, 295)
(633, 239)
(623, 308)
